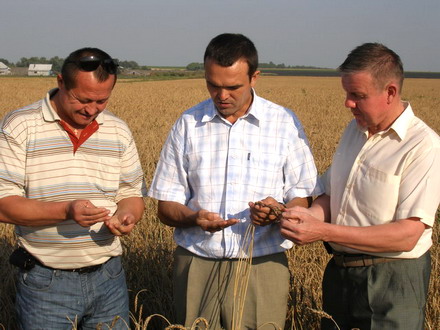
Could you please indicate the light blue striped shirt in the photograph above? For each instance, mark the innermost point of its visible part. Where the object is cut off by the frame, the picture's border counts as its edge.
(209, 163)
(37, 162)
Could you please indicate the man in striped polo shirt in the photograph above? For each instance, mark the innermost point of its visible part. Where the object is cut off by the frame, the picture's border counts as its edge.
(71, 182)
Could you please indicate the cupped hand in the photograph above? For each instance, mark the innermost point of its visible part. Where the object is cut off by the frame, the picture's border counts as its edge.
(298, 225)
(212, 222)
(85, 213)
(266, 211)
(121, 224)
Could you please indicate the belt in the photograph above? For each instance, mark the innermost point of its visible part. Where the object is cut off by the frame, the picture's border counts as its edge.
(82, 270)
(27, 261)
(358, 260)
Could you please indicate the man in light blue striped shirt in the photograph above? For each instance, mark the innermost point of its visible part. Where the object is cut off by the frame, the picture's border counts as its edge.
(221, 157)
(72, 183)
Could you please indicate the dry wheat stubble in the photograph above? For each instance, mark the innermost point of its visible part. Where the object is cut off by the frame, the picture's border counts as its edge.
(150, 108)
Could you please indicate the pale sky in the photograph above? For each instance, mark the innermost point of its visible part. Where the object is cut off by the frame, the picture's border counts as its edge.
(176, 32)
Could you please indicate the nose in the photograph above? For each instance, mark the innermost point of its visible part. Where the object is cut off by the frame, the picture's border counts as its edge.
(222, 94)
(349, 103)
(92, 108)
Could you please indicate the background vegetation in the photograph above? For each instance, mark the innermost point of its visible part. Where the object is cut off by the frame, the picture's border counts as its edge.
(150, 108)
(57, 62)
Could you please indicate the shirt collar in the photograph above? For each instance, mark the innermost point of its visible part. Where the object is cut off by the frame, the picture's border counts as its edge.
(400, 125)
(253, 114)
(49, 113)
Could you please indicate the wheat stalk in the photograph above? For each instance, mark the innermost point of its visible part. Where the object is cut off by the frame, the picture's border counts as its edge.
(242, 274)
(324, 314)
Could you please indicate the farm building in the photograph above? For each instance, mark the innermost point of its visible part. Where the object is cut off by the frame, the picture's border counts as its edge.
(40, 70)
(4, 69)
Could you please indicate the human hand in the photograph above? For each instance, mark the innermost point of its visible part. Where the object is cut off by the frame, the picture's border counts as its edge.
(212, 222)
(121, 223)
(85, 213)
(266, 211)
(301, 227)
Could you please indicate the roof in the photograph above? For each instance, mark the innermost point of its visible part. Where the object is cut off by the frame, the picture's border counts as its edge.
(40, 67)
(3, 66)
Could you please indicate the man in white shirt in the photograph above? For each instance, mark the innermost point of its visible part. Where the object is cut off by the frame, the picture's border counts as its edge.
(220, 157)
(382, 193)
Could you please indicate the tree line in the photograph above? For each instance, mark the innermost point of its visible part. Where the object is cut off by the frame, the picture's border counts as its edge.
(57, 62)
(195, 66)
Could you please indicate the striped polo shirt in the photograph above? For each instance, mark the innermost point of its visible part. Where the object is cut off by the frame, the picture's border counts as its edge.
(37, 162)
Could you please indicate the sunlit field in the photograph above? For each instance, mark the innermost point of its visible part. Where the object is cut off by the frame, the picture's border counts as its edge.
(150, 108)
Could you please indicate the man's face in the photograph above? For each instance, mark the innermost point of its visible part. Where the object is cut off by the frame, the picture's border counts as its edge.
(367, 102)
(80, 105)
(230, 88)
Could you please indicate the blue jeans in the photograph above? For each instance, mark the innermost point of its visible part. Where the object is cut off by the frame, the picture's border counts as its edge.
(56, 299)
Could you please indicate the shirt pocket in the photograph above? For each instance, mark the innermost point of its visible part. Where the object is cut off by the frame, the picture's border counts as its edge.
(108, 175)
(265, 173)
(377, 194)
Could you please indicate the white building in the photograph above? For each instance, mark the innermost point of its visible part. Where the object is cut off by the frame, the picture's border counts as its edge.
(40, 70)
(4, 69)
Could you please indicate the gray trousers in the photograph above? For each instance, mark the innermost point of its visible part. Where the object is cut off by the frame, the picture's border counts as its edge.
(390, 295)
(204, 287)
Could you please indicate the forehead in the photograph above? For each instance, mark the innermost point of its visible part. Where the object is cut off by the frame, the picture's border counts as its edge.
(215, 73)
(88, 82)
(358, 81)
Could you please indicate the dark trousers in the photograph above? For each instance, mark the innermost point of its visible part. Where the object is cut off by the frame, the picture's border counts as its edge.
(389, 295)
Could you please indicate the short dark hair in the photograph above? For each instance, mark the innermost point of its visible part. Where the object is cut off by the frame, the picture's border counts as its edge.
(227, 48)
(381, 62)
(69, 70)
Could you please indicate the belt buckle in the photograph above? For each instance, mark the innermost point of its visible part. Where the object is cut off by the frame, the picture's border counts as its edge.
(85, 270)
(339, 259)
(348, 261)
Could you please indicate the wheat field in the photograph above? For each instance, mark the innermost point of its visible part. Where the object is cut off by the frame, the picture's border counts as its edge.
(150, 108)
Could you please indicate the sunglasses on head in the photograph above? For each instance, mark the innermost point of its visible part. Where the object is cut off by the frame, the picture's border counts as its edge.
(91, 63)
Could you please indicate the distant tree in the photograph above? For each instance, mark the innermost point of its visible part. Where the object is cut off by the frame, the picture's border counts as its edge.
(6, 62)
(272, 65)
(129, 64)
(24, 62)
(57, 63)
(269, 65)
(194, 66)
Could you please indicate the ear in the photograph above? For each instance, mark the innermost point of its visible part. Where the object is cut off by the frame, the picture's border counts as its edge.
(60, 81)
(392, 92)
(254, 78)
